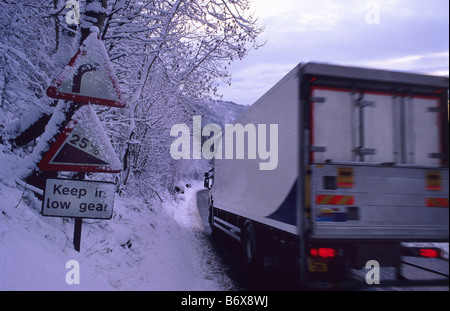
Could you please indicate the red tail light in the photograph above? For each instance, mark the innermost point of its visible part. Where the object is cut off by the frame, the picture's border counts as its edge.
(428, 253)
(323, 252)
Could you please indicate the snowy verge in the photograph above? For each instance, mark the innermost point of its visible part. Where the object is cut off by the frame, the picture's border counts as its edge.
(145, 246)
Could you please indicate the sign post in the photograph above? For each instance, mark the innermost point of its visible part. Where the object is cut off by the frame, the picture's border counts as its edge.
(77, 234)
(83, 145)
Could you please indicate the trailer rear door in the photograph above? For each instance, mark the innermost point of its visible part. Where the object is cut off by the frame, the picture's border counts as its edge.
(376, 166)
(375, 127)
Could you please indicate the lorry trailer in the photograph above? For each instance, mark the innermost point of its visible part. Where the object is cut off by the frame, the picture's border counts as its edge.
(362, 167)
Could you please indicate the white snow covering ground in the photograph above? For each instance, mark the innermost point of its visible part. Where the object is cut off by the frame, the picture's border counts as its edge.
(145, 246)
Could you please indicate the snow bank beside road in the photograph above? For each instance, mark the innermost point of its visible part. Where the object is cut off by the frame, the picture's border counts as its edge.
(145, 246)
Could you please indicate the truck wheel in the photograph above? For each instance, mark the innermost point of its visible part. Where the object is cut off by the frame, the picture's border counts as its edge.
(249, 244)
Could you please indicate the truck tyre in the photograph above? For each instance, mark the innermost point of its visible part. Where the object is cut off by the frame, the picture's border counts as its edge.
(249, 245)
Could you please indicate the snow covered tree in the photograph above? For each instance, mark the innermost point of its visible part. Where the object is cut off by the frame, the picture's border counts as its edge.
(168, 55)
(25, 67)
(180, 52)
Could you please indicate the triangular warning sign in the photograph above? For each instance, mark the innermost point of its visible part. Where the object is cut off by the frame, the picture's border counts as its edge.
(89, 77)
(72, 154)
(82, 147)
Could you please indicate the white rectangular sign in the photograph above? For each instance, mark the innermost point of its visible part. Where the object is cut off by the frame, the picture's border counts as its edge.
(83, 199)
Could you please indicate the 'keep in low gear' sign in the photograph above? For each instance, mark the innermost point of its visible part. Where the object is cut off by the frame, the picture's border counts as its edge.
(81, 199)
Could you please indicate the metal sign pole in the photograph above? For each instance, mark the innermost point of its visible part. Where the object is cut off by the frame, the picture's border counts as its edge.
(77, 234)
(74, 149)
(78, 221)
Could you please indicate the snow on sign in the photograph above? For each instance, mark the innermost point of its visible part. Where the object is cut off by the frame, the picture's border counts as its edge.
(81, 199)
(82, 147)
(89, 77)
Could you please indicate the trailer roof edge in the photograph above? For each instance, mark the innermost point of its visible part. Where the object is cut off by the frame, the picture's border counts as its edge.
(371, 74)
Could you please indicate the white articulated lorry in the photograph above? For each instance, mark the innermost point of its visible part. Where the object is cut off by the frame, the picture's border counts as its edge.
(361, 166)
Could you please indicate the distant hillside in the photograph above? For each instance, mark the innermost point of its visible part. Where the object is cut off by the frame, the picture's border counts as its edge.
(222, 112)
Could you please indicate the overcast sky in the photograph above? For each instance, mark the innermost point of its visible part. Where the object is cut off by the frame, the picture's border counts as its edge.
(406, 35)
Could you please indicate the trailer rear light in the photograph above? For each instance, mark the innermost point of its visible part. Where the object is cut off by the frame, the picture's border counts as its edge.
(431, 252)
(323, 252)
(428, 253)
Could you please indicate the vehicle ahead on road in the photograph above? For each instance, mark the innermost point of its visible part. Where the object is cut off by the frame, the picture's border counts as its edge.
(361, 166)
